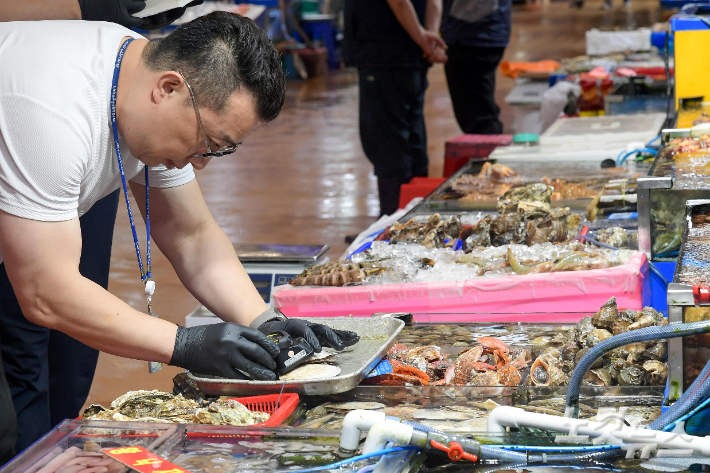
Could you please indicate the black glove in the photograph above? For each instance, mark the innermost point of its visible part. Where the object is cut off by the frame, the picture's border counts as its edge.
(315, 334)
(116, 11)
(161, 20)
(224, 350)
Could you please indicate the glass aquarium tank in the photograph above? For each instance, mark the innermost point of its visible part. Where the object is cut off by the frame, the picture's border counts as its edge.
(688, 355)
(680, 172)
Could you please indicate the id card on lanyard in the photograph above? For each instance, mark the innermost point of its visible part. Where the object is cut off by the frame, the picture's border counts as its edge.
(145, 275)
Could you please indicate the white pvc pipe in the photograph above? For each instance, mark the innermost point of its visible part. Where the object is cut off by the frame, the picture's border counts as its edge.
(354, 423)
(387, 431)
(506, 416)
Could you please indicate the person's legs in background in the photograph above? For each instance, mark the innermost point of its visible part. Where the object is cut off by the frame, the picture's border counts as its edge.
(8, 420)
(471, 76)
(50, 374)
(417, 134)
(386, 122)
(24, 355)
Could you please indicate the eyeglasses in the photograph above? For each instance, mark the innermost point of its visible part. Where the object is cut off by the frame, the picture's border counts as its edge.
(210, 154)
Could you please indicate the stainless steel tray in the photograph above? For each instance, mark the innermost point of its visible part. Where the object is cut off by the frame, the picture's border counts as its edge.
(377, 334)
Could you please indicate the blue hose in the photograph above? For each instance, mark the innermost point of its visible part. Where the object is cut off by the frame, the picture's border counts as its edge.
(378, 453)
(538, 448)
(623, 339)
(621, 159)
(687, 416)
(694, 395)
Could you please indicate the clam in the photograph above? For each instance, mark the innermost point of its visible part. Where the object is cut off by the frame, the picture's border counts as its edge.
(428, 352)
(607, 314)
(631, 376)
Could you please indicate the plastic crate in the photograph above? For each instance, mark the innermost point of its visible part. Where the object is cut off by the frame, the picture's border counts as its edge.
(461, 149)
(418, 187)
(267, 403)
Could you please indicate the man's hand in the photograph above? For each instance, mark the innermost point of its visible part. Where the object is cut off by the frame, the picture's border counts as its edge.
(317, 335)
(437, 56)
(224, 350)
(430, 41)
(116, 11)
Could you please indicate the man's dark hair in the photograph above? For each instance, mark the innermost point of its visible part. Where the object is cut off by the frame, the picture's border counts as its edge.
(220, 53)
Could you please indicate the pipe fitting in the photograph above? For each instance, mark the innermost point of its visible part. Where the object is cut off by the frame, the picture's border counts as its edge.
(387, 431)
(354, 423)
(506, 416)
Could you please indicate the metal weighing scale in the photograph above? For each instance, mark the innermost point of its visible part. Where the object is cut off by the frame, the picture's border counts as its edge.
(268, 266)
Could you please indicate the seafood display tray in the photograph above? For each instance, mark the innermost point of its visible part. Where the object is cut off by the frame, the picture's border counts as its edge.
(377, 334)
(530, 172)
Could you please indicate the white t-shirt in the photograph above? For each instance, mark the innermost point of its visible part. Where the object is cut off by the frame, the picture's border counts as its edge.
(57, 154)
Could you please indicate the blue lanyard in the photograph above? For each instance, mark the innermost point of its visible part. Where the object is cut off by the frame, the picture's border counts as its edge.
(145, 276)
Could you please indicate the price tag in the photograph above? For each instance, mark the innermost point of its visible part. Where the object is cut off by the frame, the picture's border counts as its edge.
(140, 459)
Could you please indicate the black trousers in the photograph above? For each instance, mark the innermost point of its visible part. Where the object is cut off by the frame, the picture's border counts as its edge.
(392, 130)
(48, 372)
(8, 420)
(471, 75)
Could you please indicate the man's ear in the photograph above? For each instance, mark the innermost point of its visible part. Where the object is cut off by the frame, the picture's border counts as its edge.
(168, 85)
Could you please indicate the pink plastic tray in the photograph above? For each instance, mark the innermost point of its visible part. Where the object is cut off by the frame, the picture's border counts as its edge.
(550, 297)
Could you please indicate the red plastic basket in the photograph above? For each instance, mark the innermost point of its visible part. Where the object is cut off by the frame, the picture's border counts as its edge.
(267, 403)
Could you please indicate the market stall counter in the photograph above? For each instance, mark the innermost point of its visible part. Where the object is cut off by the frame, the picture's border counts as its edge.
(543, 297)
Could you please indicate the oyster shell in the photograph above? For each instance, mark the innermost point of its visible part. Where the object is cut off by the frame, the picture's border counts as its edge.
(598, 377)
(229, 412)
(631, 376)
(655, 372)
(597, 336)
(584, 328)
(607, 315)
(569, 353)
(657, 351)
(488, 378)
(142, 403)
(580, 354)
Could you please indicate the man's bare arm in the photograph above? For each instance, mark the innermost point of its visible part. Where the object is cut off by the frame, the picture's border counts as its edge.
(42, 262)
(201, 253)
(33, 10)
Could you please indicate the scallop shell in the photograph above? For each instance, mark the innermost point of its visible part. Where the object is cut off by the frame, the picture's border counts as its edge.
(312, 372)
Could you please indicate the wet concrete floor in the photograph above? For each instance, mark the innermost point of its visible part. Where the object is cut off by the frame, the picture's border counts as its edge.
(304, 179)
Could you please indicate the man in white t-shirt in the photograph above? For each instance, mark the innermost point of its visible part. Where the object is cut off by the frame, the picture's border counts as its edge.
(180, 101)
(41, 360)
